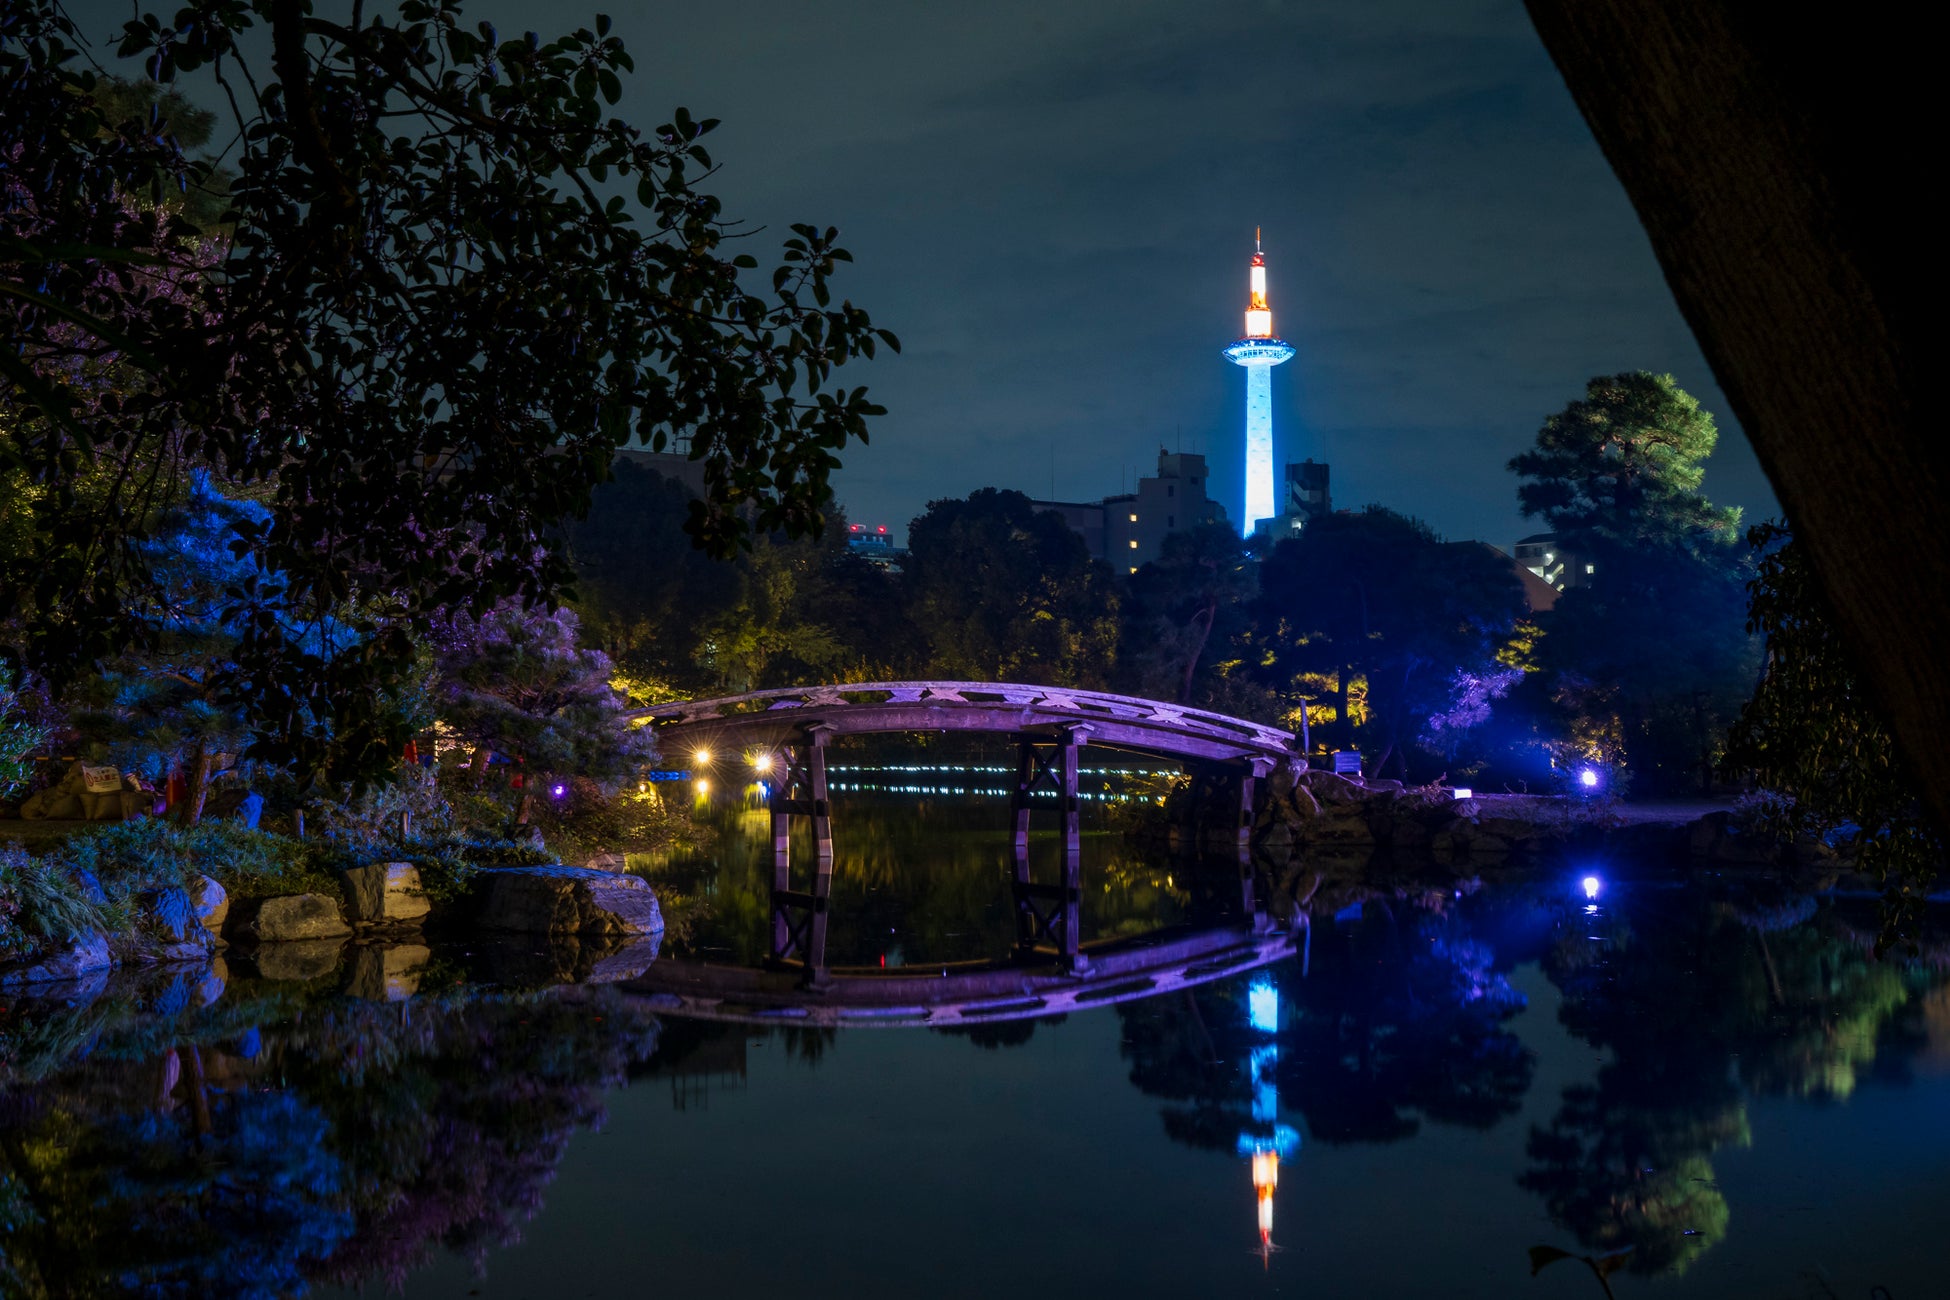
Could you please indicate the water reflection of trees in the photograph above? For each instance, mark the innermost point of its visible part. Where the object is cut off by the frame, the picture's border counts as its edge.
(1700, 1002)
(918, 881)
(1699, 998)
(251, 1146)
(1401, 1017)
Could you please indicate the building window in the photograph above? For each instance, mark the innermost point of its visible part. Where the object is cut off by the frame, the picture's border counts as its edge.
(1591, 568)
(1134, 568)
(1134, 543)
(1171, 521)
(1133, 518)
(1171, 490)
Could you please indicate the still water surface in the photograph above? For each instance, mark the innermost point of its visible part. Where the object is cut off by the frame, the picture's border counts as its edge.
(1714, 1074)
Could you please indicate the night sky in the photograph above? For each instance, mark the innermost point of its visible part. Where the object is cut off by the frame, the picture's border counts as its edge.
(1053, 206)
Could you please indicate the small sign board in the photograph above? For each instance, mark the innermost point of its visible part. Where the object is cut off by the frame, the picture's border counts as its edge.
(101, 780)
(1347, 762)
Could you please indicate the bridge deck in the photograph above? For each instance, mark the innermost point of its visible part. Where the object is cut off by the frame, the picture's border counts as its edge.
(771, 718)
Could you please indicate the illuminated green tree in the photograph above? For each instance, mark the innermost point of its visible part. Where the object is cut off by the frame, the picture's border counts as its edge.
(1622, 467)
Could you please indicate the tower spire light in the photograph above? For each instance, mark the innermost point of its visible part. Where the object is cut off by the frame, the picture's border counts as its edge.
(1259, 351)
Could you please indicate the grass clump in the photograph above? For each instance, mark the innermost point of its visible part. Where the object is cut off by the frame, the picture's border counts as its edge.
(152, 854)
(42, 903)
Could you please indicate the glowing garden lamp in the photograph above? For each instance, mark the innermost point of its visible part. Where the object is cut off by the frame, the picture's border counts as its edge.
(558, 789)
(761, 762)
(1591, 886)
(702, 758)
(1588, 778)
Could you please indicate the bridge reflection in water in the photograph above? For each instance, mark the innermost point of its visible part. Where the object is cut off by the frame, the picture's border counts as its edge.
(786, 733)
(784, 736)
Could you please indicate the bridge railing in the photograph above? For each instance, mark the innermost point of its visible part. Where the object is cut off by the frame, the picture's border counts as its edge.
(1043, 702)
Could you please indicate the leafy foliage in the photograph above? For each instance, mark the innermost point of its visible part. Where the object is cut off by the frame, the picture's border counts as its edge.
(20, 734)
(1187, 604)
(151, 853)
(1813, 733)
(1622, 468)
(1377, 597)
(515, 681)
(39, 901)
(1648, 665)
(1645, 663)
(451, 287)
(162, 705)
(1002, 591)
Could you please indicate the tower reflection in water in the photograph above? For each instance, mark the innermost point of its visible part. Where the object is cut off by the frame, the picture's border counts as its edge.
(1267, 1140)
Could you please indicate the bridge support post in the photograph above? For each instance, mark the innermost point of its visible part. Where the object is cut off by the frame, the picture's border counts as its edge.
(1049, 764)
(1250, 776)
(799, 918)
(1050, 913)
(802, 793)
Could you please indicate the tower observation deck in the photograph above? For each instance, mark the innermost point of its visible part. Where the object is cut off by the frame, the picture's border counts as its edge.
(1259, 351)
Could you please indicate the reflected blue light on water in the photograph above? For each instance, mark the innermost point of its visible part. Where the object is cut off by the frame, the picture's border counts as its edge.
(1263, 1006)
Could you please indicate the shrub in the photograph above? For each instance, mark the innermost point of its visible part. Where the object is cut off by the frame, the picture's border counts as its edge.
(39, 902)
(151, 853)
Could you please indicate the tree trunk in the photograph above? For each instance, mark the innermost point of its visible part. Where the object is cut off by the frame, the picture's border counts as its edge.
(199, 775)
(1343, 723)
(1203, 622)
(1780, 173)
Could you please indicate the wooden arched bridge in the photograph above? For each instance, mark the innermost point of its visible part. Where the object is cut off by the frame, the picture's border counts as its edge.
(768, 719)
(787, 731)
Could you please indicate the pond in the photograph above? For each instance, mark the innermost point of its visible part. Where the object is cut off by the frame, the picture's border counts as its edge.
(1436, 1075)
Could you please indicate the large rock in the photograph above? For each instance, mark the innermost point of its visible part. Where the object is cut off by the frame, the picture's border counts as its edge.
(384, 893)
(569, 900)
(287, 918)
(1328, 788)
(212, 903)
(80, 957)
(386, 974)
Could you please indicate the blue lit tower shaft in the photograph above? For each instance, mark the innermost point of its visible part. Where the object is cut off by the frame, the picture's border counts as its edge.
(1259, 351)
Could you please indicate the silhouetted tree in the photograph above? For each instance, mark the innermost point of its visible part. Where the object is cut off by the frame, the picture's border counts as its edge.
(1377, 596)
(1002, 591)
(1814, 735)
(1185, 609)
(1646, 659)
(452, 284)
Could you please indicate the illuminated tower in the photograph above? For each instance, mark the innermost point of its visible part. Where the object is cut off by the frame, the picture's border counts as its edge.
(1258, 352)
